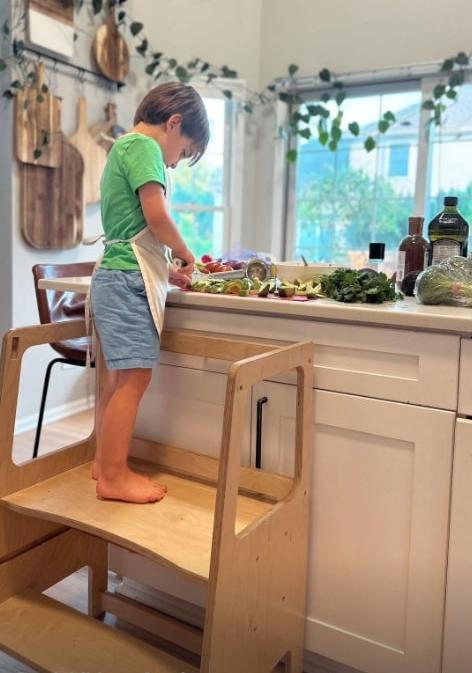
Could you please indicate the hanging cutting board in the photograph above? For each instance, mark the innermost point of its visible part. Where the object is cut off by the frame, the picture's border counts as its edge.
(94, 156)
(52, 202)
(106, 131)
(110, 50)
(38, 119)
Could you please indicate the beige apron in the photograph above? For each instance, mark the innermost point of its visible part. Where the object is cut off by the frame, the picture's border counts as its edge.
(154, 267)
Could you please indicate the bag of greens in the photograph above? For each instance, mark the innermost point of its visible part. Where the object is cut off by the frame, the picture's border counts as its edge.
(447, 283)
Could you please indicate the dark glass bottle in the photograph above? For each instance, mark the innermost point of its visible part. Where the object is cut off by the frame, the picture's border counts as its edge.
(448, 233)
(413, 251)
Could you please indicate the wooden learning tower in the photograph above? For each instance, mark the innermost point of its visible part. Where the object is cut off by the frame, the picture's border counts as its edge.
(240, 530)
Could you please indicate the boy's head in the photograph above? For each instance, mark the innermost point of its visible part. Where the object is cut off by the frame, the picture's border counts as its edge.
(179, 112)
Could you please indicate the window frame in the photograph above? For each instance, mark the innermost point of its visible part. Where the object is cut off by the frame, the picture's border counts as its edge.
(378, 85)
(233, 159)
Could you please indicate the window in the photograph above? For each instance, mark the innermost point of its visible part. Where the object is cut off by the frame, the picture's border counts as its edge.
(450, 158)
(339, 202)
(398, 161)
(201, 194)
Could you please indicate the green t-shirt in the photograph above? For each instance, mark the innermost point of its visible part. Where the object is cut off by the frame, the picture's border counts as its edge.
(134, 160)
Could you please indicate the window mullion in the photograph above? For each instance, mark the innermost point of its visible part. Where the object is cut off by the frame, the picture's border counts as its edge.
(424, 149)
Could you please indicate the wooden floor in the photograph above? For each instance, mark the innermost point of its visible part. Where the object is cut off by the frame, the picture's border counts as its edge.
(54, 436)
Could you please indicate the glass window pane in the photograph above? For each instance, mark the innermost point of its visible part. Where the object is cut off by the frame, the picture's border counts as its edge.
(346, 199)
(450, 165)
(202, 231)
(203, 184)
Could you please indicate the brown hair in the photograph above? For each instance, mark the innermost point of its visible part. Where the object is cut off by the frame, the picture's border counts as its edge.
(172, 98)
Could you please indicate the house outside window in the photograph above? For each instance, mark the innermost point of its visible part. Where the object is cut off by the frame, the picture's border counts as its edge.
(339, 202)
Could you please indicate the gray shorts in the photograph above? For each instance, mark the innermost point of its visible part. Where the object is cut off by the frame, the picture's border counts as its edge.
(123, 320)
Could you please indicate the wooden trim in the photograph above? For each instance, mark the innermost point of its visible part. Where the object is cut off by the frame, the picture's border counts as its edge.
(54, 638)
(257, 583)
(15, 343)
(253, 482)
(48, 563)
(158, 623)
(190, 342)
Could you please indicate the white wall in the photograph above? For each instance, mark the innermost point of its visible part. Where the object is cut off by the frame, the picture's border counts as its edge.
(350, 36)
(6, 306)
(345, 37)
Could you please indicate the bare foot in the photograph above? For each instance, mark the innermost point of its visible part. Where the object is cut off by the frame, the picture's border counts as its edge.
(130, 487)
(96, 470)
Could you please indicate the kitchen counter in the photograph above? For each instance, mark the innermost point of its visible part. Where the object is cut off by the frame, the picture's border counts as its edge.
(401, 314)
(392, 410)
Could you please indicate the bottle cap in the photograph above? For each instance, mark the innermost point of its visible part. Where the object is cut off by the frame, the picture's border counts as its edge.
(451, 200)
(376, 250)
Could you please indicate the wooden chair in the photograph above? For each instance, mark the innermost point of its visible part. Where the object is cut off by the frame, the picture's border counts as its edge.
(239, 530)
(56, 306)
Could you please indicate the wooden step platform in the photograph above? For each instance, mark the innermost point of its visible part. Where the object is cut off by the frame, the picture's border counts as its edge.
(53, 638)
(176, 531)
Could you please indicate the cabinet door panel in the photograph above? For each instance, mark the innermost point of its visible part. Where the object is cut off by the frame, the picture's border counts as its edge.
(184, 408)
(376, 362)
(379, 519)
(457, 640)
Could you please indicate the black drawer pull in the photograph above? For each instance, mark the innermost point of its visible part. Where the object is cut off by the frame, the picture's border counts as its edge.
(260, 402)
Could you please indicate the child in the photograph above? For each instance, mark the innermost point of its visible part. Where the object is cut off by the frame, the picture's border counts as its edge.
(129, 288)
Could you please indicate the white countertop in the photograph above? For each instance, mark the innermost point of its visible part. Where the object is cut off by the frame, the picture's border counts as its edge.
(407, 314)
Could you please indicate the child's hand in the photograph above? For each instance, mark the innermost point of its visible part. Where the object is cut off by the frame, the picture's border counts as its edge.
(179, 277)
(187, 258)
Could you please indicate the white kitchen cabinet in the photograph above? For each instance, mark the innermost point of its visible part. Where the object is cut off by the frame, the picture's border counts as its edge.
(457, 641)
(184, 408)
(397, 365)
(379, 525)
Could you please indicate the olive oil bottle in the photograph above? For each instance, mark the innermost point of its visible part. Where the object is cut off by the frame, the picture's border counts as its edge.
(448, 233)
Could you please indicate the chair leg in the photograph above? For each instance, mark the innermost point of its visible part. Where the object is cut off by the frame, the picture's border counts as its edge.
(43, 399)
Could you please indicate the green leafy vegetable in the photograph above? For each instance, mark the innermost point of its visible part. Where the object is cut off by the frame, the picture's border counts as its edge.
(349, 285)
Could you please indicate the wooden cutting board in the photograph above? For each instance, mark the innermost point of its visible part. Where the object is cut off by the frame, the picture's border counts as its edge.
(52, 202)
(110, 50)
(37, 121)
(105, 131)
(94, 156)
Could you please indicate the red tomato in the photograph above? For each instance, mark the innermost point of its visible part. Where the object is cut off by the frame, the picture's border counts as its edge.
(206, 258)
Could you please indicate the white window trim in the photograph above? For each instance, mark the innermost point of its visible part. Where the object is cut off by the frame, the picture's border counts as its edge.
(233, 161)
(380, 82)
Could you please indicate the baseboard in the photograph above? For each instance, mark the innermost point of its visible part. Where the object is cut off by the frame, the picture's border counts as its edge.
(193, 614)
(55, 414)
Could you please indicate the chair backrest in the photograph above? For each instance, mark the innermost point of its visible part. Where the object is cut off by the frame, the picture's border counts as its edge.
(56, 306)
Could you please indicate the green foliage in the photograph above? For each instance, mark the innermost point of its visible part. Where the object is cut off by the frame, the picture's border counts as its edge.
(354, 128)
(324, 75)
(335, 214)
(136, 27)
(349, 285)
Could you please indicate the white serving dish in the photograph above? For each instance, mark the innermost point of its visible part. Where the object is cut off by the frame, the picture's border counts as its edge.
(290, 271)
(221, 275)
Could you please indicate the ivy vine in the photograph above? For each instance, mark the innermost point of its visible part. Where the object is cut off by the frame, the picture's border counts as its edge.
(315, 120)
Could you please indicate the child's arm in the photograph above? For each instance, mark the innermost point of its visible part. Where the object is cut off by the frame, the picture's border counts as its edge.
(161, 224)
